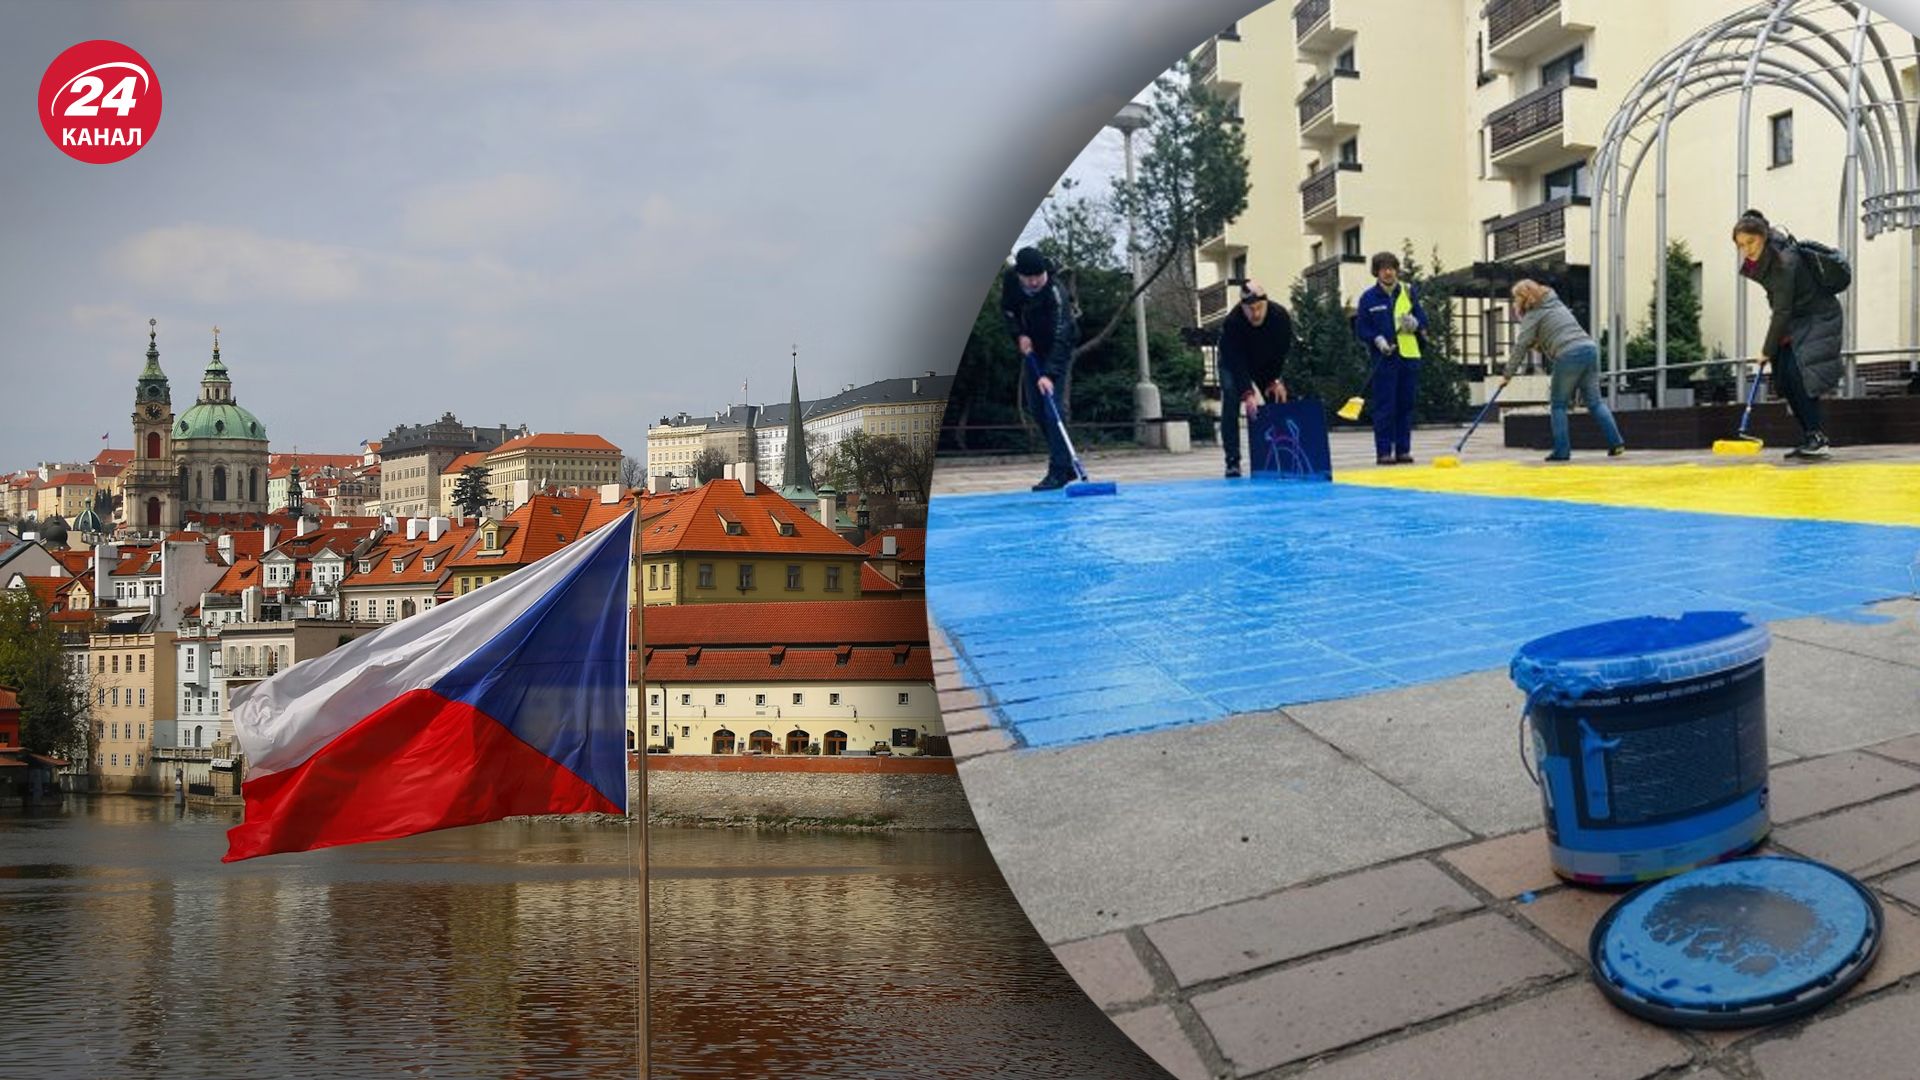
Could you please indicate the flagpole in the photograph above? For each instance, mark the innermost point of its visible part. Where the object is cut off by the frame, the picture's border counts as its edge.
(638, 826)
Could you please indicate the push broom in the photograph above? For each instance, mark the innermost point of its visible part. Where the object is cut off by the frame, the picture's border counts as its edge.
(1743, 444)
(1351, 410)
(1082, 486)
(1452, 461)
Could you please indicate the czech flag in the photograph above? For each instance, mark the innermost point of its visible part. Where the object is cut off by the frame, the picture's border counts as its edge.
(509, 700)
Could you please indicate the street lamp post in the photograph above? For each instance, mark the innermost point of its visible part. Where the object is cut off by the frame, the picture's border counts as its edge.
(1146, 396)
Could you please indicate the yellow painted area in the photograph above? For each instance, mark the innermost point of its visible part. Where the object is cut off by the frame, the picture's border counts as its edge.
(1864, 493)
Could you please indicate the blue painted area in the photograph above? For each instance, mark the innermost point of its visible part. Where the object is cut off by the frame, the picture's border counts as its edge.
(1179, 602)
(1736, 934)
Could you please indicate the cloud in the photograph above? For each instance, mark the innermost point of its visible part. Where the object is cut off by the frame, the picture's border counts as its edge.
(117, 317)
(488, 212)
(215, 264)
(755, 38)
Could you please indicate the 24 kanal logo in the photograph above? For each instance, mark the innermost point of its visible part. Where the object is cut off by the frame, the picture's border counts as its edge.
(99, 102)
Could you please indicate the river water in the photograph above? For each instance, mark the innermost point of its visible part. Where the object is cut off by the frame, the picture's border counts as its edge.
(507, 950)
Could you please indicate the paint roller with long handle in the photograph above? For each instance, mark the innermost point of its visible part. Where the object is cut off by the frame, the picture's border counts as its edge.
(1743, 444)
(1083, 486)
(1450, 461)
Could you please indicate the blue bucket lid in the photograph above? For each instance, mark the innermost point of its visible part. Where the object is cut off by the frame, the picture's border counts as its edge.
(1738, 943)
(1642, 651)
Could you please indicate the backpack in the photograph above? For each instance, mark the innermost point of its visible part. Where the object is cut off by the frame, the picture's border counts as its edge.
(1828, 266)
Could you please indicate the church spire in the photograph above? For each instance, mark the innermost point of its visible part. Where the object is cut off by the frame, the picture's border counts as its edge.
(798, 476)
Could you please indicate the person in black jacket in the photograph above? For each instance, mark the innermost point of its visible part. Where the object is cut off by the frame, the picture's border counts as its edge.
(1254, 342)
(1040, 319)
(1804, 337)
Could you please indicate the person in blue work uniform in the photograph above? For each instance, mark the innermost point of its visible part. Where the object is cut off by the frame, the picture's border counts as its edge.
(1389, 322)
(1039, 317)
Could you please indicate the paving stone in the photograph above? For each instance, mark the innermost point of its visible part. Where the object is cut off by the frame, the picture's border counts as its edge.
(1567, 1034)
(1325, 1004)
(1877, 1039)
(1815, 786)
(1905, 885)
(966, 720)
(1865, 840)
(1568, 915)
(968, 744)
(1906, 749)
(959, 698)
(1157, 1031)
(1107, 968)
(1309, 919)
(1507, 866)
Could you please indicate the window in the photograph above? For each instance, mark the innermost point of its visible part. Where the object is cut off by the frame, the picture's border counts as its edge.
(397, 564)
(760, 700)
(115, 729)
(390, 609)
(353, 610)
(1491, 322)
(1563, 69)
(833, 579)
(1345, 61)
(833, 699)
(706, 575)
(143, 663)
(1350, 241)
(189, 659)
(1350, 151)
(428, 564)
(143, 727)
(216, 701)
(116, 697)
(799, 699)
(793, 577)
(1780, 127)
(903, 697)
(746, 576)
(666, 575)
(653, 577)
(905, 736)
(116, 663)
(143, 701)
(654, 730)
(365, 566)
(686, 699)
(1566, 183)
(719, 699)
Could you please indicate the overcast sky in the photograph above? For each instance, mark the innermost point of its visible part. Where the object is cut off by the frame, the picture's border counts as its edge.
(579, 217)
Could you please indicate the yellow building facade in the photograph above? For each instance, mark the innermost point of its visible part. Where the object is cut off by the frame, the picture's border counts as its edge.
(1469, 130)
(132, 681)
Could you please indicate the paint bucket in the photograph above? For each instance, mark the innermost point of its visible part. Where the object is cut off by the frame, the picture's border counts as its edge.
(1651, 739)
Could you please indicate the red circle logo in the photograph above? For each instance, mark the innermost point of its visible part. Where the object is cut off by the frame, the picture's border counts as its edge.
(99, 102)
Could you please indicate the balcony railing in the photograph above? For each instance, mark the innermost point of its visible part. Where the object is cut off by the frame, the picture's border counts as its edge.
(1504, 17)
(1307, 14)
(1318, 96)
(1321, 188)
(1323, 277)
(1213, 300)
(1528, 116)
(1534, 229)
(1207, 61)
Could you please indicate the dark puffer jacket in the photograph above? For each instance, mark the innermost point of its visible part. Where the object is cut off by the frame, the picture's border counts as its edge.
(1045, 316)
(1804, 315)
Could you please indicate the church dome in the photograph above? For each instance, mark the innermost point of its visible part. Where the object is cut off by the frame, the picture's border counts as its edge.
(54, 530)
(218, 420)
(88, 523)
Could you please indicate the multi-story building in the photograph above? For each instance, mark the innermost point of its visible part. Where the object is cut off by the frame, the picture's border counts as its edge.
(897, 557)
(904, 408)
(562, 460)
(312, 467)
(736, 540)
(1490, 172)
(131, 677)
(544, 525)
(788, 678)
(411, 460)
(450, 478)
(402, 574)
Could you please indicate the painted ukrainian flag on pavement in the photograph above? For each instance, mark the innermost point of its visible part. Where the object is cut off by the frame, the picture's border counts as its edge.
(506, 701)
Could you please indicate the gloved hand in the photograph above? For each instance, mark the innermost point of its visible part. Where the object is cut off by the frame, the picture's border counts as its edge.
(1409, 324)
(1381, 344)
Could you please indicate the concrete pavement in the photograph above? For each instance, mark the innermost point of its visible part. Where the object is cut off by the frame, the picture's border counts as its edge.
(1336, 886)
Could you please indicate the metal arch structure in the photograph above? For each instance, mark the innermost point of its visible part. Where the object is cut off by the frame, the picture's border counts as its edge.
(1832, 52)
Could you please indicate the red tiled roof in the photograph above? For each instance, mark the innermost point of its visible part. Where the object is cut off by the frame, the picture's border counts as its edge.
(543, 525)
(282, 464)
(415, 553)
(76, 562)
(910, 544)
(459, 464)
(793, 623)
(555, 441)
(44, 588)
(865, 664)
(242, 573)
(9, 698)
(70, 479)
(873, 581)
(111, 462)
(698, 522)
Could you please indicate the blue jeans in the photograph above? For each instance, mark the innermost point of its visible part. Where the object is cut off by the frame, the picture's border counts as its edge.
(1579, 367)
(1059, 457)
(1396, 383)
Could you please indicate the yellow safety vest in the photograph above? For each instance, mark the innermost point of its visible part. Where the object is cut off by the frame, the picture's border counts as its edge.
(1402, 306)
